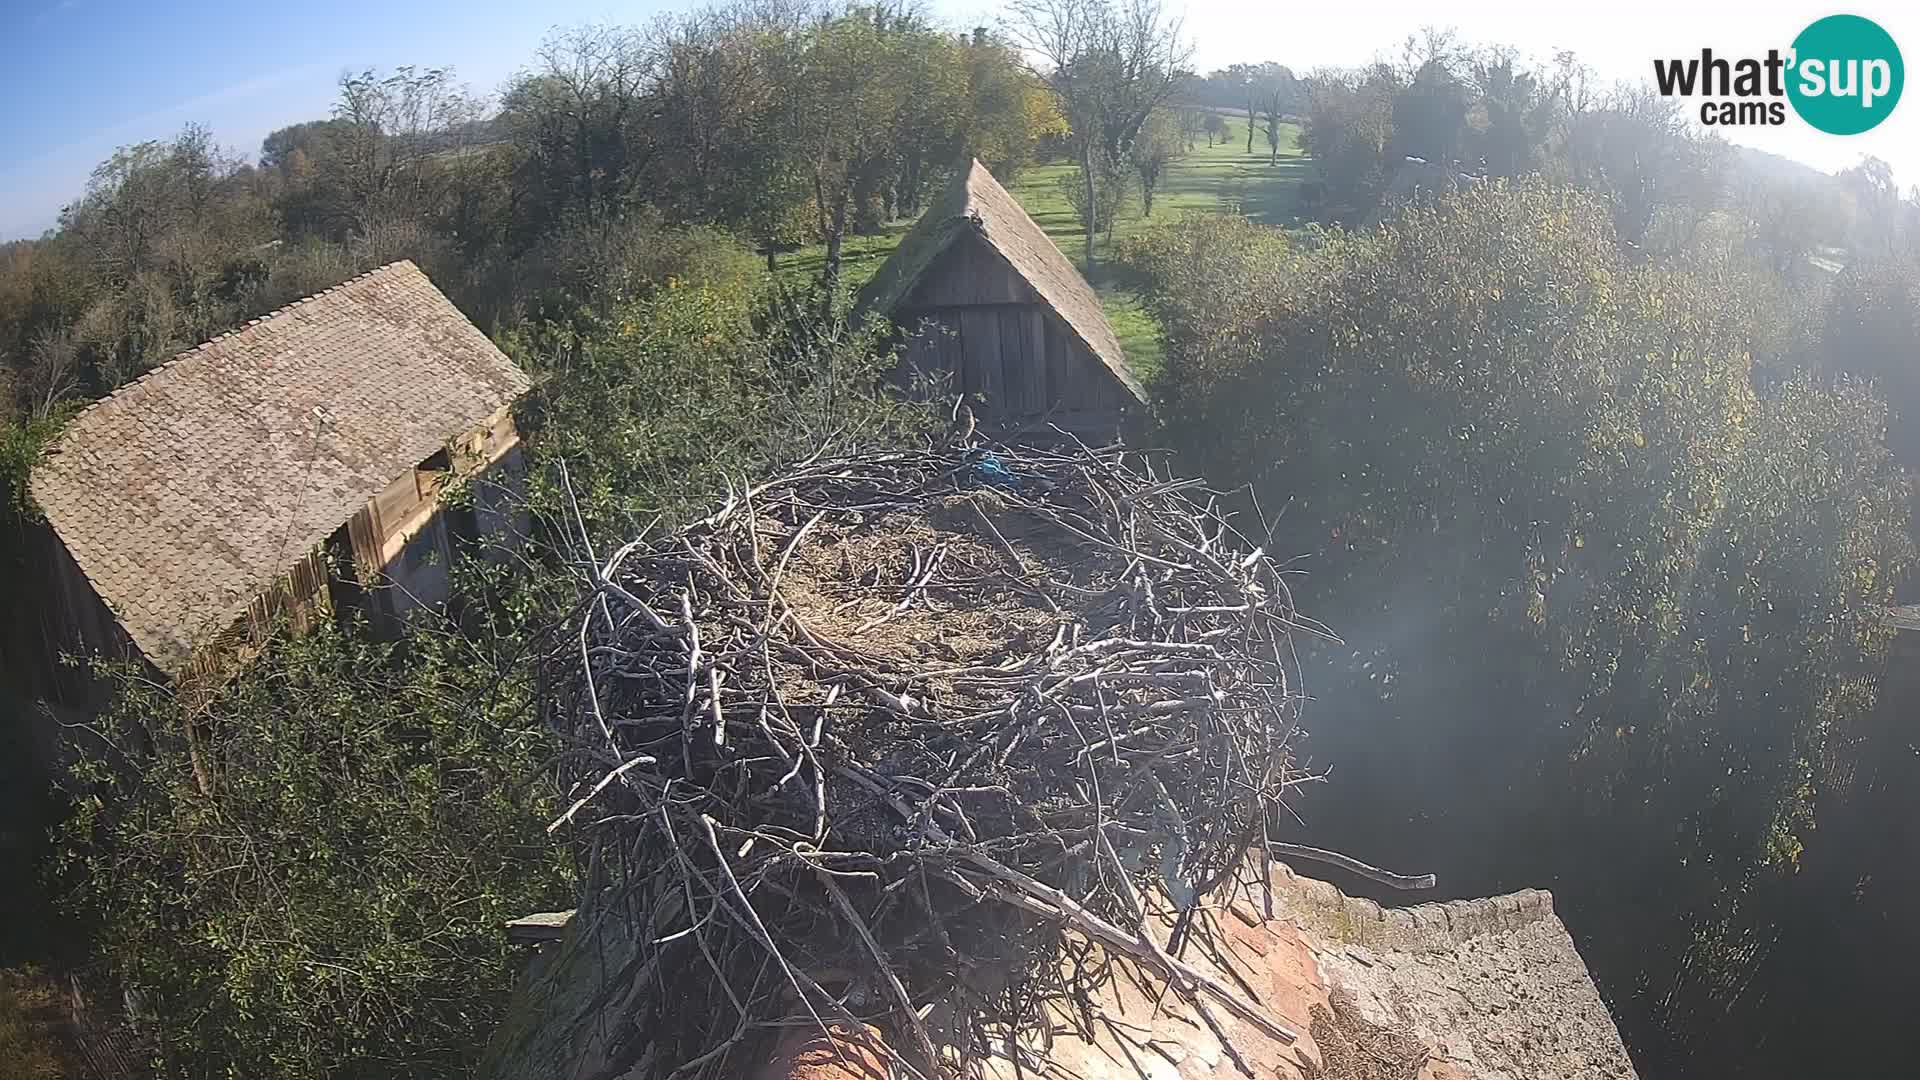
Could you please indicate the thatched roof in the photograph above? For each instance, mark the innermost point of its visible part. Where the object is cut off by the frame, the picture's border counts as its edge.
(185, 493)
(975, 202)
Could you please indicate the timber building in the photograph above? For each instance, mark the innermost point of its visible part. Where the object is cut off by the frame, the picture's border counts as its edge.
(293, 468)
(991, 308)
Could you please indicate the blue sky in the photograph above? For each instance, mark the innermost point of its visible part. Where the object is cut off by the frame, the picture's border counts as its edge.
(85, 76)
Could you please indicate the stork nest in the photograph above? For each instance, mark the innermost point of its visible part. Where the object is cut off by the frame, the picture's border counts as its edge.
(914, 741)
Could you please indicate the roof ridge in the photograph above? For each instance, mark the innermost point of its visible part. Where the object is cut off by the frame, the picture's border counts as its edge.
(127, 388)
(1435, 924)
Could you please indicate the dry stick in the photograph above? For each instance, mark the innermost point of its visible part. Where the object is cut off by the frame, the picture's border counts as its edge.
(753, 919)
(1045, 899)
(914, 588)
(1388, 878)
(567, 818)
(1188, 992)
(922, 1041)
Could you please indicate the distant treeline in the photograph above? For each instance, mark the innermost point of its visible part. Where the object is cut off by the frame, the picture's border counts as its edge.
(775, 123)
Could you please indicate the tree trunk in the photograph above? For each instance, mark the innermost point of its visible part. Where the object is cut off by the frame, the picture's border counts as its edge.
(833, 224)
(830, 272)
(1249, 127)
(1093, 207)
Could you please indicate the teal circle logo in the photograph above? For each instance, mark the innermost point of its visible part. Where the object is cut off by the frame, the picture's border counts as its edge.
(1846, 76)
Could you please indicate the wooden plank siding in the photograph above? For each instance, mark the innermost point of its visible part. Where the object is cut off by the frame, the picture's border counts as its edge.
(389, 531)
(973, 321)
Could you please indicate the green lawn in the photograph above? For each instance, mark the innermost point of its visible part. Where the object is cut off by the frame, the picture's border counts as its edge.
(1223, 177)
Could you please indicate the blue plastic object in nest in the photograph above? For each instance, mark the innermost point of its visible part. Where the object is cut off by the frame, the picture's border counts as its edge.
(988, 470)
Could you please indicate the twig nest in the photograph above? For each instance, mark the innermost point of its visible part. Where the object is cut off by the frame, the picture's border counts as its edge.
(907, 716)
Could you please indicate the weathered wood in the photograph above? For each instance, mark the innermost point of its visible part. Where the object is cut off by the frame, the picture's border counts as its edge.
(991, 334)
(970, 274)
(980, 333)
(538, 927)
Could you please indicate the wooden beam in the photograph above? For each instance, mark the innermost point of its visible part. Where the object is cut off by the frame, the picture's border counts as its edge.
(538, 927)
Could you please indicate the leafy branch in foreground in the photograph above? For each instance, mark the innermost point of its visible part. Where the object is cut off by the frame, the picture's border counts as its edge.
(332, 904)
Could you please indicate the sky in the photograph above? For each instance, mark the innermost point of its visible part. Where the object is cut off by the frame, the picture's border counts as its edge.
(83, 77)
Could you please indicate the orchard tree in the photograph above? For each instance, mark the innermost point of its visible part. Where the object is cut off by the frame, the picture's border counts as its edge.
(1110, 65)
(1153, 150)
(863, 90)
(1103, 181)
(1010, 113)
(1191, 123)
(1349, 131)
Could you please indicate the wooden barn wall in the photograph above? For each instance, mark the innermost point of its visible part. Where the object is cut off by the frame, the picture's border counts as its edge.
(400, 542)
(68, 618)
(976, 322)
(968, 273)
(300, 596)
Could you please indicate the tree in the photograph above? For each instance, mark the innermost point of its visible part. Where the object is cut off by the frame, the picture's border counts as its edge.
(161, 226)
(388, 128)
(1104, 182)
(578, 123)
(1190, 124)
(863, 91)
(1532, 467)
(1215, 126)
(1430, 116)
(331, 903)
(1265, 89)
(1349, 130)
(1872, 331)
(1156, 146)
(713, 118)
(1523, 110)
(1878, 213)
(1274, 93)
(1110, 65)
(1640, 151)
(1009, 111)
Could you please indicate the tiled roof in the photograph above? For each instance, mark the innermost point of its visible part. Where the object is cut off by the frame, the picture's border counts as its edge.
(975, 200)
(1487, 989)
(185, 493)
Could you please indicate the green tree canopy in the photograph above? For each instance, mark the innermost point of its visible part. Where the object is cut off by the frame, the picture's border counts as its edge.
(1588, 571)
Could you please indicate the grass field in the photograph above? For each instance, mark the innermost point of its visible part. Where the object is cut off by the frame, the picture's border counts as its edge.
(1223, 177)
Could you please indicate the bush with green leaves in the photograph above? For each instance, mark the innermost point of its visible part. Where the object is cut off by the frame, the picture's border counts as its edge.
(308, 877)
(1610, 613)
(658, 407)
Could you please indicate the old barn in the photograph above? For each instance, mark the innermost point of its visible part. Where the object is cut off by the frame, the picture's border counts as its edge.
(990, 306)
(294, 467)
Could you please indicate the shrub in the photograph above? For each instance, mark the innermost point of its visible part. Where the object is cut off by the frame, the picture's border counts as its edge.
(1594, 577)
(309, 877)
